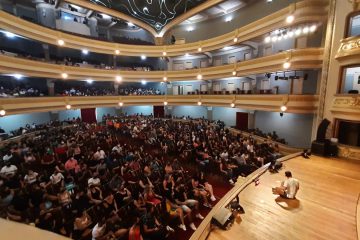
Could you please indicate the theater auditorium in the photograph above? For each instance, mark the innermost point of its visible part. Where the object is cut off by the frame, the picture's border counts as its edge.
(180, 120)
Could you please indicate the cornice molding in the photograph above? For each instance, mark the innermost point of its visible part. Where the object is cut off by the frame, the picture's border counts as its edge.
(346, 107)
(349, 51)
(303, 104)
(306, 11)
(300, 59)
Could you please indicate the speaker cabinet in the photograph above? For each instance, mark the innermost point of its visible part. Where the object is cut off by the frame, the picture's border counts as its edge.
(223, 218)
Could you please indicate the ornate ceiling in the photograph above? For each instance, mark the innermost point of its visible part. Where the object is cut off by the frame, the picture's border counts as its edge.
(156, 13)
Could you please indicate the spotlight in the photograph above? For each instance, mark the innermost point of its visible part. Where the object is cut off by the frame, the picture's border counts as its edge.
(232, 105)
(85, 51)
(143, 82)
(199, 49)
(143, 57)
(117, 52)
(290, 18)
(165, 103)
(121, 104)
(199, 77)
(286, 65)
(267, 39)
(228, 19)
(2, 112)
(283, 108)
(9, 35)
(68, 106)
(199, 103)
(64, 75)
(61, 42)
(18, 76)
(118, 78)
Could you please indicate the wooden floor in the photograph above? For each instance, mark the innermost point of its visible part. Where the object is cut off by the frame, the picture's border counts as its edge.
(325, 207)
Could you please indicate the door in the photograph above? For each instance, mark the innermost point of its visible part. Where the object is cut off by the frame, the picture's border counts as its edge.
(297, 86)
(203, 63)
(217, 62)
(247, 56)
(176, 90)
(231, 59)
(242, 120)
(88, 115)
(159, 111)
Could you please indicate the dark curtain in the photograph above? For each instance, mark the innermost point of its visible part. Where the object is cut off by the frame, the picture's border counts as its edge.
(88, 115)
(242, 121)
(159, 111)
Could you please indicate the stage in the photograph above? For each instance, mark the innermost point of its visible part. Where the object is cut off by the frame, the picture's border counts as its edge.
(325, 207)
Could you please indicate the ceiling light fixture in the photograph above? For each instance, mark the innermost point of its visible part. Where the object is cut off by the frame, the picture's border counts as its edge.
(143, 57)
(9, 35)
(283, 108)
(228, 19)
(290, 18)
(85, 51)
(143, 82)
(18, 76)
(89, 81)
(267, 39)
(306, 30)
(121, 104)
(68, 106)
(313, 28)
(117, 52)
(234, 73)
(2, 112)
(165, 78)
(164, 53)
(199, 76)
(232, 105)
(298, 32)
(199, 49)
(61, 42)
(165, 103)
(235, 40)
(118, 78)
(286, 65)
(190, 29)
(64, 75)
(199, 103)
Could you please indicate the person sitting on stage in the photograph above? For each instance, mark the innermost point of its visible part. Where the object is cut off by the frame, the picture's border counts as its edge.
(288, 188)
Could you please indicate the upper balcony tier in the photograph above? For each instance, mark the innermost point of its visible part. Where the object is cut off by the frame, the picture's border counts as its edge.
(298, 59)
(294, 103)
(304, 12)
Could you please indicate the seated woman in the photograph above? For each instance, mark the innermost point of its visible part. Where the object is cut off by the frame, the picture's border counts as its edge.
(208, 187)
(81, 225)
(151, 197)
(198, 191)
(139, 203)
(152, 229)
(95, 194)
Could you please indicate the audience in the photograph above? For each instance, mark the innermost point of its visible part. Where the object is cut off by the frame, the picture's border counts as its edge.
(20, 92)
(117, 180)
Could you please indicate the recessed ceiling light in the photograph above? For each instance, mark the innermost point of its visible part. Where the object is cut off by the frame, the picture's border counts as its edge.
(143, 82)
(286, 65)
(190, 29)
(283, 108)
(199, 103)
(234, 73)
(117, 52)
(235, 39)
(2, 112)
(118, 78)
(313, 28)
(199, 49)
(64, 75)
(306, 30)
(199, 76)
(85, 51)
(121, 104)
(165, 78)
(164, 53)
(89, 81)
(298, 32)
(143, 57)
(165, 103)
(232, 105)
(68, 106)
(130, 24)
(267, 39)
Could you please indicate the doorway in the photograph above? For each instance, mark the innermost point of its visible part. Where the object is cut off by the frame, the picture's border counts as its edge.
(159, 111)
(242, 120)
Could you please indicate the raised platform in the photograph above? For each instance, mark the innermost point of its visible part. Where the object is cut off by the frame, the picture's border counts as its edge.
(325, 207)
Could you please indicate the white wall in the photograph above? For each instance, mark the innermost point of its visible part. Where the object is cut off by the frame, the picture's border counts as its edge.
(100, 112)
(192, 111)
(145, 110)
(69, 114)
(294, 128)
(12, 122)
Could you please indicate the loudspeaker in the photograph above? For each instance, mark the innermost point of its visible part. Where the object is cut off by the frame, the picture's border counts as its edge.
(320, 148)
(223, 218)
(321, 132)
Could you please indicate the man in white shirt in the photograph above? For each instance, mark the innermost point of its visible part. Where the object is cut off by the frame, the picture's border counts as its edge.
(288, 188)
(9, 170)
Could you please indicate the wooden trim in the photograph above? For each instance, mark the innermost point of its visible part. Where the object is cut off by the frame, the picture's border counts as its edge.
(302, 104)
(347, 22)
(358, 217)
(306, 11)
(301, 59)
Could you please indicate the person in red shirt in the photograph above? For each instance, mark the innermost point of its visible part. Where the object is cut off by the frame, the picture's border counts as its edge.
(72, 164)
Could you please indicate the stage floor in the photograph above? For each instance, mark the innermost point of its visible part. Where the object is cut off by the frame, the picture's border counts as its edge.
(325, 207)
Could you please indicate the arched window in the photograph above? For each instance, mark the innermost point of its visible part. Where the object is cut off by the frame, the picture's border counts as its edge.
(353, 25)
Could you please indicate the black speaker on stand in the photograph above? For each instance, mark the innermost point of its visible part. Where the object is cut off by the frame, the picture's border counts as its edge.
(321, 146)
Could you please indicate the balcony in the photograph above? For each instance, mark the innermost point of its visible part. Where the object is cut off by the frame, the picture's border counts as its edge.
(300, 59)
(306, 11)
(294, 103)
(346, 106)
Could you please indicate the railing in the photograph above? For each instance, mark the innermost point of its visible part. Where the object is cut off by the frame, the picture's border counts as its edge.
(204, 229)
(346, 106)
(300, 59)
(349, 51)
(306, 11)
(295, 103)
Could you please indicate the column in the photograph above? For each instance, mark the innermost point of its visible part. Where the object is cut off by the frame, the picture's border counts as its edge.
(209, 113)
(50, 83)
(116, 88)
(210, 87)
(251, 120)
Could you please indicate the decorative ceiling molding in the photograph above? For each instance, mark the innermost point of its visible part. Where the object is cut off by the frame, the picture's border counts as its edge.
(113, 13)
(300, 59)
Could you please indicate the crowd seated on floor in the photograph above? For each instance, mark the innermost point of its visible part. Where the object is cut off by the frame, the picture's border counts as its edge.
(20, 92)
(271, 136)
(131, 176)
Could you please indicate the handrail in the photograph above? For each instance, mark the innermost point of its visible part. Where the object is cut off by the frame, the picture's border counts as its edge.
(300, 59)
(306, 11)
(296, 103)
(204, 228)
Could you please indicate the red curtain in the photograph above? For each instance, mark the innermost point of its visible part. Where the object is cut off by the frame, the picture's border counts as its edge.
(88, 115)
(159, 111)
(242, 121)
